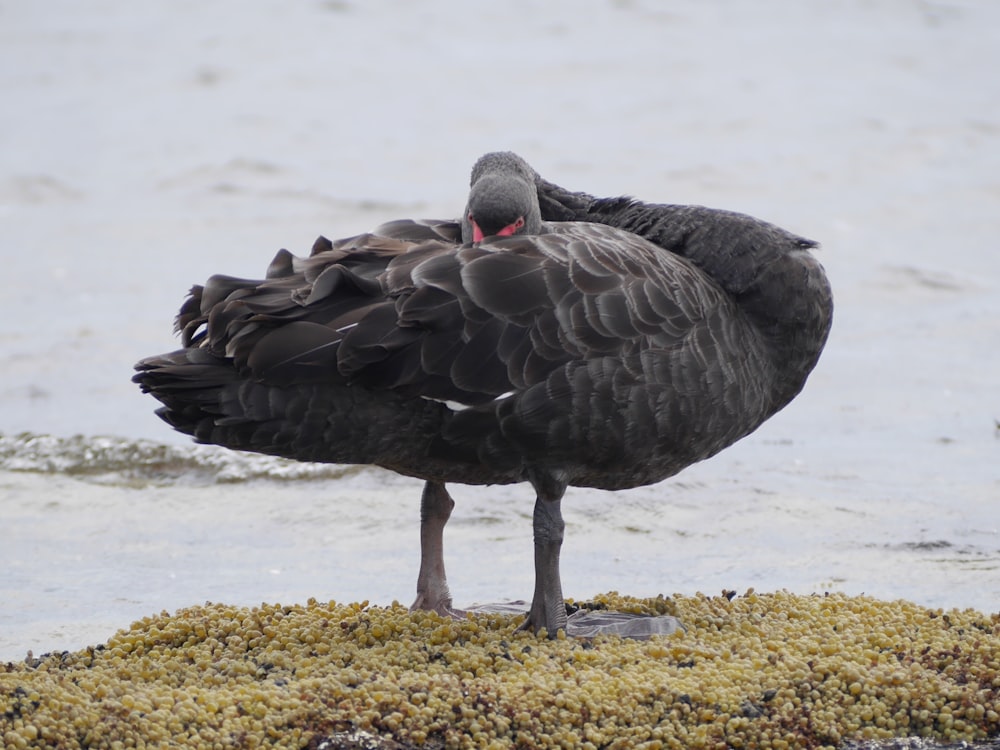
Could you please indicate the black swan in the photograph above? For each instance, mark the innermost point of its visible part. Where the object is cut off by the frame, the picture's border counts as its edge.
(548, 337)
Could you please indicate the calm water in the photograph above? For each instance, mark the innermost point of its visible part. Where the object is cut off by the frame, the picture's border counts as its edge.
(147, 146)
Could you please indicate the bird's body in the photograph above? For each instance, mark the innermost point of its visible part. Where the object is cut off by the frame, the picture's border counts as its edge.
(561, 353)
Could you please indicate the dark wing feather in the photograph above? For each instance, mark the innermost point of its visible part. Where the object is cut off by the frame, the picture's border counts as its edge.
(282, 355)
(416, 230)
(507, 284)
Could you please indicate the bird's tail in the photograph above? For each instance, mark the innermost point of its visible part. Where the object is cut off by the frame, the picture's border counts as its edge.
(194, 387)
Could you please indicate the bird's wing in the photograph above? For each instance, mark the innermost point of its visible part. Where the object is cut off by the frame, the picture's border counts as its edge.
(464, 324)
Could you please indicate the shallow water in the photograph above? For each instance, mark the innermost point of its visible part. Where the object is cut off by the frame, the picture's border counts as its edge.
(149, 146)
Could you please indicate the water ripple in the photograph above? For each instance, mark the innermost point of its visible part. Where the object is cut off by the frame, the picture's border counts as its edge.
(128, 462)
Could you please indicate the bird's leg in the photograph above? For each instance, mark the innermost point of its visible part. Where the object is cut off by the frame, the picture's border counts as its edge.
(548, 610)
(432, 585)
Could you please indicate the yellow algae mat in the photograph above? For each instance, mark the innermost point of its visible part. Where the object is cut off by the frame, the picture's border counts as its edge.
(754, 671)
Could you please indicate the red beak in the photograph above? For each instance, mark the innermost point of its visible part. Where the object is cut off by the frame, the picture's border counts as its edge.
(507, 231)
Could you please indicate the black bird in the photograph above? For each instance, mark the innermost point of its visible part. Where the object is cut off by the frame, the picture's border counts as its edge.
(547, 337)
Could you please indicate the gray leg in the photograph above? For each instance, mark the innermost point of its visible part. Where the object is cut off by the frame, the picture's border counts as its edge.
(432, 585)
(548, 610)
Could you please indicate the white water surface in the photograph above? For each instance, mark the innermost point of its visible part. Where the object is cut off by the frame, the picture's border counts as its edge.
(146, 146)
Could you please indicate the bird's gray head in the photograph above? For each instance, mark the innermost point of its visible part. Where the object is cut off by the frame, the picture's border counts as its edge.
(503, 199)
